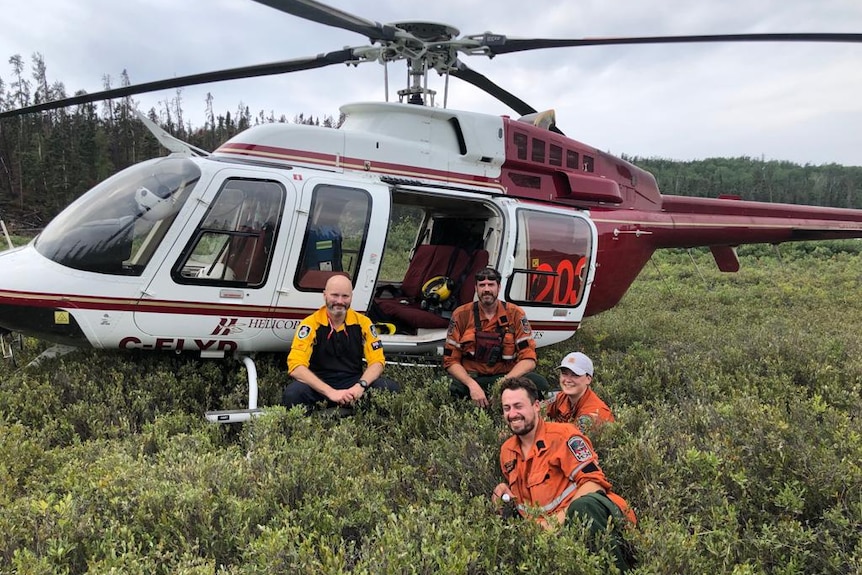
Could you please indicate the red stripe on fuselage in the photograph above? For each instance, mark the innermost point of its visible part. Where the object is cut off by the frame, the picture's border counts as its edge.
(357, 164)
(52, 300)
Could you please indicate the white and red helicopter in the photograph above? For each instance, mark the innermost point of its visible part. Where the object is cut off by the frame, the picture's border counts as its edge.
(224, 253)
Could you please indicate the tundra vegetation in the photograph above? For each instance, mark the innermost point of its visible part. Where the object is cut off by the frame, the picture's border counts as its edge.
(738, 441)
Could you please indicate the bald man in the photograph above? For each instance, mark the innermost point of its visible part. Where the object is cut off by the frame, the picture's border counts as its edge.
(326, 356)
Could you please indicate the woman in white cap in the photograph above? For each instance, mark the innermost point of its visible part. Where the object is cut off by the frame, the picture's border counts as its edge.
(577, 403)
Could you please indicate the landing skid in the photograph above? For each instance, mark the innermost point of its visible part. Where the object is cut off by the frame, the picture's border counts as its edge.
(240, 415)
(9, 341)
(414, 360)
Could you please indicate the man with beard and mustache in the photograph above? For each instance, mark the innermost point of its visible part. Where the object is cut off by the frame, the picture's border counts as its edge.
(552, 472)
(489, 340)
(325, 359)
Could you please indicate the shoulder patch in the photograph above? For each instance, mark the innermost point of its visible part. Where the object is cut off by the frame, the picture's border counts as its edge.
(585, 422)
(373, 330)
(303, 332)
(375, 345)
(509, 466)
(525, 325)
(579, 448)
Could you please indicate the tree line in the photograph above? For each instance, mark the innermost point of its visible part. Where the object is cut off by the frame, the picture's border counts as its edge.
(49, 159)
(755, 179)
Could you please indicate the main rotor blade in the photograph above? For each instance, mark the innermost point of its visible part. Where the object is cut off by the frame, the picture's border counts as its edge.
(323, 14)
(499, 44)
(273, 68)
(483, 83)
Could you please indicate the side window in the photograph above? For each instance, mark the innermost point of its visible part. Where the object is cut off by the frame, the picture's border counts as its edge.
(551, 259)
(520, 141)
(333, 243)
(538, 150)
(234, 243)
(556, 157)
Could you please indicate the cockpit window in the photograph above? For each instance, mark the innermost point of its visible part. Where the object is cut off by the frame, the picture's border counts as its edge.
(116, 227)
(233, 244)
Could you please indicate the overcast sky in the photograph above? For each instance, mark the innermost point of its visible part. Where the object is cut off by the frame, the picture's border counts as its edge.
(796, 102)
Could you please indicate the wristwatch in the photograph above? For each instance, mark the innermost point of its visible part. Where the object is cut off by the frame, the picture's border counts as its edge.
(364, 384)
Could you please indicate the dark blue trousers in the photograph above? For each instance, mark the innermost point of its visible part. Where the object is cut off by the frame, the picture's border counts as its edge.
(298, 393)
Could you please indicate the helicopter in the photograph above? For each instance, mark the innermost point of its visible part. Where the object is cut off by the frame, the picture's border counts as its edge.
(223, 253)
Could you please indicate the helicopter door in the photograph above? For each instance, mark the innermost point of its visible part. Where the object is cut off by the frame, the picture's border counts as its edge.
(219, 280)
(343, 233)
(554, 262)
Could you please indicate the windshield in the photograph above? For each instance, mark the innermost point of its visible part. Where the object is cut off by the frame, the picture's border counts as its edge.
(115, 227)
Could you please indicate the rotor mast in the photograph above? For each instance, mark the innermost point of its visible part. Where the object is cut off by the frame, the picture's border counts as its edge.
(426, 46)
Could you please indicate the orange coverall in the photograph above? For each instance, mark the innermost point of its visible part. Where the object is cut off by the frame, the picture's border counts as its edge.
(561, 460)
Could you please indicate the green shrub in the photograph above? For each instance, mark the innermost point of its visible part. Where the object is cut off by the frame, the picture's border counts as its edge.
(738, 401)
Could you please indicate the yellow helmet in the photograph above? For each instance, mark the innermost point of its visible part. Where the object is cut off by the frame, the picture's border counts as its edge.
(438, 288)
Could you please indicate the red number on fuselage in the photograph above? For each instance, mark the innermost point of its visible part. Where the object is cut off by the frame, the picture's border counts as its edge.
(560, 288)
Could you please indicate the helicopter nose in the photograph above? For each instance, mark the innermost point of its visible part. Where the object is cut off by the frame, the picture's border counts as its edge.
(26, 309)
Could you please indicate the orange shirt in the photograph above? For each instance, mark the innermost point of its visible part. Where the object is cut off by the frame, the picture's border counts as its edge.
(589, 411)
(518, 342)
(561, 460)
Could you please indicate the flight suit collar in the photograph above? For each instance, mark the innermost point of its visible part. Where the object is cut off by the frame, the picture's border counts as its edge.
(540, 444)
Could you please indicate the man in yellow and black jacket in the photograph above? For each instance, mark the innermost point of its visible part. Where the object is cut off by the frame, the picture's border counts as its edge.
(488, 340)
(327, 353)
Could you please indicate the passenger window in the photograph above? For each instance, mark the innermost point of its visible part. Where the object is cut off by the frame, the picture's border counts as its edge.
(335, 237)
(571, 159)
(551, 259)
(588, 164)
(234, 243)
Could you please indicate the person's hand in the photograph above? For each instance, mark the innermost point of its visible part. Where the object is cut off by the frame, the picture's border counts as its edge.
(477, 394)
(343, 396)
(357, 391)
(500, 491)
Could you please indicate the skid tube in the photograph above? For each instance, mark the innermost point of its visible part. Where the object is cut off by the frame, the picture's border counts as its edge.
(240, 415)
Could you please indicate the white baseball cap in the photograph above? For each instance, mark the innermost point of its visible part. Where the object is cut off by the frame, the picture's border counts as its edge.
(579, 363)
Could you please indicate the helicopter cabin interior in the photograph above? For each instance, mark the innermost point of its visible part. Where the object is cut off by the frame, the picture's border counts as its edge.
(434, 248)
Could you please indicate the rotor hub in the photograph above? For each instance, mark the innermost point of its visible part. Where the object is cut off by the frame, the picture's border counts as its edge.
(428, 31)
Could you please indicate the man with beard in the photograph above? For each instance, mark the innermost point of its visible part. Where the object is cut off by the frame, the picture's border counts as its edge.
(489, 340)
(325, 359)
(553, 474)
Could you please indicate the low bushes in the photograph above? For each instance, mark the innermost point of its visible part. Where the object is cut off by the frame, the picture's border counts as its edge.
(737, 440)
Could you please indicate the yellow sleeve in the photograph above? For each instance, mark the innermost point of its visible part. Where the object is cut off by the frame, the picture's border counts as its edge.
(302, 346)
(373, 346)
